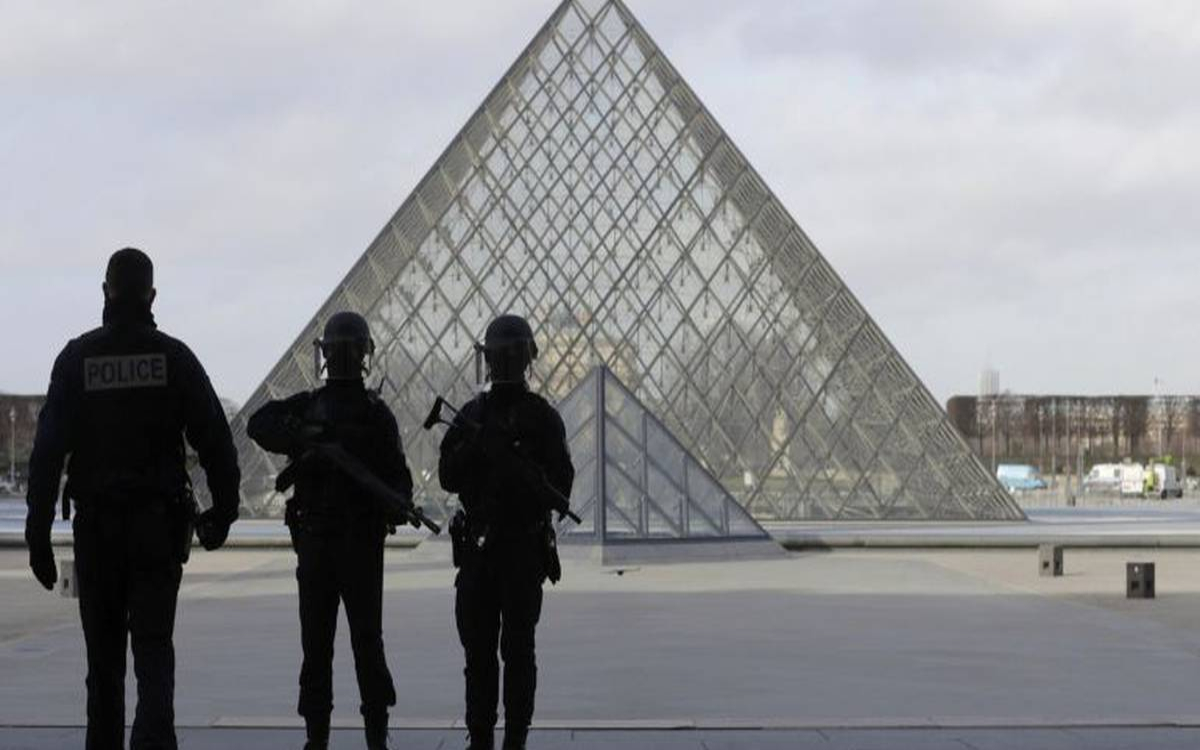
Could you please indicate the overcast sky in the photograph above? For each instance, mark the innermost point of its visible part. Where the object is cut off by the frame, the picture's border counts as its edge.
(1003, 182)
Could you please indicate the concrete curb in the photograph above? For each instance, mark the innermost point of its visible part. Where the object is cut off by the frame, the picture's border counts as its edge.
(704, 724)
(799, 542)
(829, 541)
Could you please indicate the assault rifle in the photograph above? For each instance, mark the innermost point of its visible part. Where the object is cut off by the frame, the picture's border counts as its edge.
(528, 470)
(395, 506)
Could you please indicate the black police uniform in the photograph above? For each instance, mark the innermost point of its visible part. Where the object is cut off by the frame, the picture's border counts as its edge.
(121, 399)
(338, 535)
(499, 584)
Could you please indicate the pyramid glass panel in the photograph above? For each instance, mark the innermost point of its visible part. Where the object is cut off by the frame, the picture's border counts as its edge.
(593, 193)
(651, 488)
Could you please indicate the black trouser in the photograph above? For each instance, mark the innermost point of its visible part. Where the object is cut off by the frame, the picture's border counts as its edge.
(128, 575)
(341, 563)
(498, 603)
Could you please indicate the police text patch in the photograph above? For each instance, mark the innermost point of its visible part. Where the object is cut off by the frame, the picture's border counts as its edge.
(129, 371)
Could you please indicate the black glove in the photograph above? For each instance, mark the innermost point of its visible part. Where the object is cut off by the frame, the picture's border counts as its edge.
(212, 529)
(41, 561)
(414, 520)
(405, 515)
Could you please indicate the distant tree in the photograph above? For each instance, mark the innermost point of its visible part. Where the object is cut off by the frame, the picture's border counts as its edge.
(964, 415)
(1031, 425)
(1096, 421)
(1135, 417)
(1116, 422)
(1174, 417)
(1008, 415)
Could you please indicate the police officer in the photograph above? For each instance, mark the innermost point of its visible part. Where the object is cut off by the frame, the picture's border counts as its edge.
(121, 399)
(337, 531)
(508, 553)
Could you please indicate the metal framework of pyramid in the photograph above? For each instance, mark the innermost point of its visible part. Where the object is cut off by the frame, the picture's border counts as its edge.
(634, 481)
(594, 193)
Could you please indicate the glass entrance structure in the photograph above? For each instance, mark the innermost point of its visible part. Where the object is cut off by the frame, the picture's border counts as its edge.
(634, 481)
(594, 194)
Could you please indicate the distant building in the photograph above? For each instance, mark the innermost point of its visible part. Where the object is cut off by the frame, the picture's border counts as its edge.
(19, 414)
(24, 411)
(989, 383)
(1054, 431)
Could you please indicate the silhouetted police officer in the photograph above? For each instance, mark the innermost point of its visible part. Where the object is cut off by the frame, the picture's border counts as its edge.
(507, 555)
(337, 531)
(122, 397)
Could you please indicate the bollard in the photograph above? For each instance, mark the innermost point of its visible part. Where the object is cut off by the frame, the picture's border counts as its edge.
(1050, 560)
(1139, 580)
(67, 586)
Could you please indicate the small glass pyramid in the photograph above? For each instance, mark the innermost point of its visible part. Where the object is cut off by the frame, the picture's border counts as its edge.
(652, 488)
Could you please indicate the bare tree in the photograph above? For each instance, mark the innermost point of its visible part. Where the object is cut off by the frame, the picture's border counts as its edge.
(1135, 417)
(1174, 417)
(1192, 423)
(1116, 422)
(964, 415)
(1009, 415)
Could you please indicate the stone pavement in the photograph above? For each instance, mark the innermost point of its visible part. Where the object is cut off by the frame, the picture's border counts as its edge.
(859, 648)
(1008, 738)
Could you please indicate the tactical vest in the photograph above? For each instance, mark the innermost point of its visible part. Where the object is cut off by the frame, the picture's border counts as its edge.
(126, 413)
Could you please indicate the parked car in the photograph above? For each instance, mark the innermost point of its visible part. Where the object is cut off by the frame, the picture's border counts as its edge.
(1016, 477)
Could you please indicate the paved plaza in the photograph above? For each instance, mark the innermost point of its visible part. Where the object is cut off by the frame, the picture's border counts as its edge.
(847, 648)
(1073, 738)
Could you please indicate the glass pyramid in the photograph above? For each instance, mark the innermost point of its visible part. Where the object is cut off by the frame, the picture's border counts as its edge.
(651, 487)
(593, 193)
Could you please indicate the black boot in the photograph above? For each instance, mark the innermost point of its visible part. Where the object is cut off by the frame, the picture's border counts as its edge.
(376, 723)
(318, 733)
(480, 739)
(514, 738)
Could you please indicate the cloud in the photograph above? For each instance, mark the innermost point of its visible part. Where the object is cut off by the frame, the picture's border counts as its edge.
(1005, 181)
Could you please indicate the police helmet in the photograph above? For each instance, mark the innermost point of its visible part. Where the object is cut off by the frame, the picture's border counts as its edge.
(509, 349)
(346, 345)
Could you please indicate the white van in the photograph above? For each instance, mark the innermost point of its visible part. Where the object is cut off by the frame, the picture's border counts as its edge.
(1166, 481)
(1133, 479)
(1103, 478)
(1157, 480)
